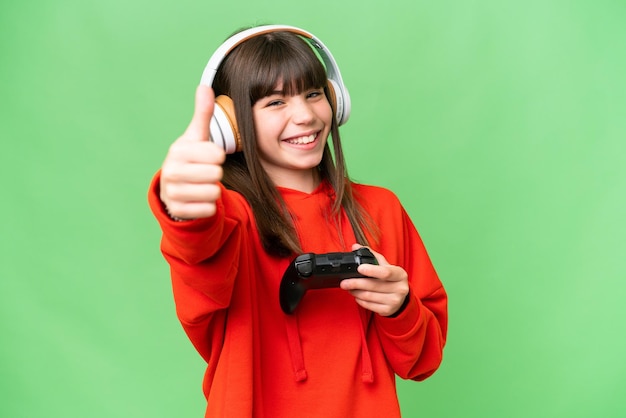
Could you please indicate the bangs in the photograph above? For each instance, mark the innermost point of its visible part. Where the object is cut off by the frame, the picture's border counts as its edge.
(286, 61)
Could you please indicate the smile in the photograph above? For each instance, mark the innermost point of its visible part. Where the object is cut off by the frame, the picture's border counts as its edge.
(302, 140)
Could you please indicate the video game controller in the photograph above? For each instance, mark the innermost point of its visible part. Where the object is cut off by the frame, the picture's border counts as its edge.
(319, 271)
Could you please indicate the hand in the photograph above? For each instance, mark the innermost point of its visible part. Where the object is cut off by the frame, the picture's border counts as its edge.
(193, 166)
(385, 288)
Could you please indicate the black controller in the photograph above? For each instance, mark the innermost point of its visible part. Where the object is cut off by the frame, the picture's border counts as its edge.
(319, 271)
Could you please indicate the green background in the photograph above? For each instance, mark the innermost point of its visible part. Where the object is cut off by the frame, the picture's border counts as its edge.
(501, 125)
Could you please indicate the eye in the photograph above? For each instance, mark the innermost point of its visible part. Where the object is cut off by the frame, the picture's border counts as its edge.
(272, 100)
(315, 93)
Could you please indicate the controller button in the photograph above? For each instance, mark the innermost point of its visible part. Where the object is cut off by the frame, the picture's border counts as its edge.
(304, 268)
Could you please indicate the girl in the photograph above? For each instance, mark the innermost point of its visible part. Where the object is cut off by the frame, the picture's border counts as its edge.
(232, 224)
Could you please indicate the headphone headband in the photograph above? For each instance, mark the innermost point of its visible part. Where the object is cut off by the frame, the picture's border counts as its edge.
(220, 53)
(337, 87)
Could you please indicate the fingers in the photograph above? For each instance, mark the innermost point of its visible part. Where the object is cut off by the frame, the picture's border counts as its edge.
(199, 127)
(193, 172)
(383, 308)
(190, 179)
(192, 201)
(379, 257)
(356, 247)
(384, 298)
(377, 285)
(383, 290)
(179, 194)
(191, 151)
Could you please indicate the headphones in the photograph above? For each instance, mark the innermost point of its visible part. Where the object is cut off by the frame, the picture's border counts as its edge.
(223, 125)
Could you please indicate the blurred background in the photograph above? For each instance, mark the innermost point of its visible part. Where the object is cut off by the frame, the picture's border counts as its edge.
(501, 125)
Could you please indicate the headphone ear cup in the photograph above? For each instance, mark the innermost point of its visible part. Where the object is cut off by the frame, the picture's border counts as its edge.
(332, 97)
(223, 126)
(340, 103)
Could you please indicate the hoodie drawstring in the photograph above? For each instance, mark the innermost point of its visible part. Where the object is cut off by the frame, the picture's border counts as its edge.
(367, 370)
(295, 347)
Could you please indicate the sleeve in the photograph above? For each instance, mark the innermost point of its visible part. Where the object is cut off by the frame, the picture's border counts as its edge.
(414, 340)
(203, 256)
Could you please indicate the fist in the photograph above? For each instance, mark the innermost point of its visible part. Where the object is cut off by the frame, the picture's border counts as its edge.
(192, 169)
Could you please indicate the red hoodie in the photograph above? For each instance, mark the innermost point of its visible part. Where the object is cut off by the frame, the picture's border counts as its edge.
(331, 358)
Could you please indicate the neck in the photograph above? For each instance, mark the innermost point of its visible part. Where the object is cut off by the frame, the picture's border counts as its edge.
(305, 181)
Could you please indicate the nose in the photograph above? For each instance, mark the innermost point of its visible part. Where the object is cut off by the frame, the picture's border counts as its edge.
(301, 111)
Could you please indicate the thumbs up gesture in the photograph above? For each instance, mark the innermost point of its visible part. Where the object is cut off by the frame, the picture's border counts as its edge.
(193, 166)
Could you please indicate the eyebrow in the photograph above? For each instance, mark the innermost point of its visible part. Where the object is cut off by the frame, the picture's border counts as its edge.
(283, 93)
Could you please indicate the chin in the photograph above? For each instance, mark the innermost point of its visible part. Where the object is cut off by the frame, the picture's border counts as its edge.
(308, 164)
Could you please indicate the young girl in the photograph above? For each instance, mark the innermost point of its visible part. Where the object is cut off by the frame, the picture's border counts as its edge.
(233, 222)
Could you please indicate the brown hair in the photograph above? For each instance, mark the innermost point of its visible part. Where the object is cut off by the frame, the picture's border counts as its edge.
(250, 72)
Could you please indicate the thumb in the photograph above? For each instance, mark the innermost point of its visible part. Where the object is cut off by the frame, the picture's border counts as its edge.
(379, 257)
(198, 129)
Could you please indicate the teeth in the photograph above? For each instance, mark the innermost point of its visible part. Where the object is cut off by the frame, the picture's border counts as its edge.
(303, 140)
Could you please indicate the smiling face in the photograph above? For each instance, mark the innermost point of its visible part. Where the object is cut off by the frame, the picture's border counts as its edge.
(291, 133)
(278, 84)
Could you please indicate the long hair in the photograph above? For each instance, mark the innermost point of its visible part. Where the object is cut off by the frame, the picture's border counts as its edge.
(250, 72)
